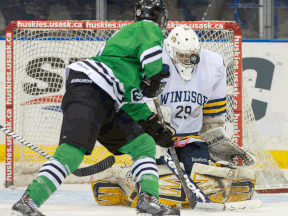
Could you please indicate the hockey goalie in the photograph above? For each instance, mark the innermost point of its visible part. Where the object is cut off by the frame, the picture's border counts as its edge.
(194, 104)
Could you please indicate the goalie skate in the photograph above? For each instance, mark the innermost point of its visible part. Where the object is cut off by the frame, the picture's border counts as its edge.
(25, 207)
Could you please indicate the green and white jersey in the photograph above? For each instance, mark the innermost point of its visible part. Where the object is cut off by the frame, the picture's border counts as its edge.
(131, 54)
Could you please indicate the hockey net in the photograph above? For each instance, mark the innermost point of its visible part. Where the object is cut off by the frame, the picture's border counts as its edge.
(36, 55)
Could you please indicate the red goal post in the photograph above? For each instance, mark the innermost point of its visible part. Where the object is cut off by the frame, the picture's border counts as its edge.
(23, 30)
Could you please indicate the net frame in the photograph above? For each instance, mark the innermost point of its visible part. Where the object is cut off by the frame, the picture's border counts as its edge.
(236, 89)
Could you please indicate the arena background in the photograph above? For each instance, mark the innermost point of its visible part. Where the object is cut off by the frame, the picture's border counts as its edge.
(264, 27)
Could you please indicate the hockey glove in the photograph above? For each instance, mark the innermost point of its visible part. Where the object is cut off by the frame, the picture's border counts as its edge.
(153, 86)
(221, 147)
(155, 129)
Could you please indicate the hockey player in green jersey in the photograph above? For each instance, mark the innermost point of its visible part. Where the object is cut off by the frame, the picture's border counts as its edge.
(98, 91)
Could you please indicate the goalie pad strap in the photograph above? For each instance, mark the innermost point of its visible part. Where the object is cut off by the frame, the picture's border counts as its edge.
(244, 173)
(213, 171)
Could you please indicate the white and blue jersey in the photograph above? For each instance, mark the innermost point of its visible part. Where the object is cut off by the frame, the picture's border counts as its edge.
(202, 95)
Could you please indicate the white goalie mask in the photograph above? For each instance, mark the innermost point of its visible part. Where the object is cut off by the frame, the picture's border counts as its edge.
(184, 48)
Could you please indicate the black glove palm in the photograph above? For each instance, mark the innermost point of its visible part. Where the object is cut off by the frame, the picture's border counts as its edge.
(155, 129)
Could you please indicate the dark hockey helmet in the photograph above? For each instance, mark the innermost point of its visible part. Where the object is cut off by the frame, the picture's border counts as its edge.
(154, 10)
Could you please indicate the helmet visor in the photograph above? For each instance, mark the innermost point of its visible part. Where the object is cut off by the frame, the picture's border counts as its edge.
(183, 57)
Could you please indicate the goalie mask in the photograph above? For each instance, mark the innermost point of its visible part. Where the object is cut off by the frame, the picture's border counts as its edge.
(154, 10)
(184, 48)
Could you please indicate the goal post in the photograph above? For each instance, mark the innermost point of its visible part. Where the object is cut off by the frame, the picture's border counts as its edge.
(37, 53)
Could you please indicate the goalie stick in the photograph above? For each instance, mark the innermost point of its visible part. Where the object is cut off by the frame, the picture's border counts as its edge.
(86, 171)
(181, 177)
(194, 194)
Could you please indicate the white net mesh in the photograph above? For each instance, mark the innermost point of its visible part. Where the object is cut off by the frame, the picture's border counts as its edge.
(269, 176)
(39, 59)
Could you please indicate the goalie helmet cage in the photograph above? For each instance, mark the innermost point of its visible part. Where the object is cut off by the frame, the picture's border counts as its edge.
(36, 55)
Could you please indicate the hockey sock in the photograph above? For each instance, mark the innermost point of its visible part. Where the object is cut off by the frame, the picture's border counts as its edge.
(149, 184)
(144, 169)
(67, 159)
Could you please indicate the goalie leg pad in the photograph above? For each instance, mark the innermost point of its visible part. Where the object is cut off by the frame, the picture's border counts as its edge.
(243, 186)
(114, 186)
(215, 182)
(110, 193)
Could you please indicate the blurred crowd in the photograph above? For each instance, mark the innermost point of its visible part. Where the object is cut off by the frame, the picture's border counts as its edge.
(180, 10)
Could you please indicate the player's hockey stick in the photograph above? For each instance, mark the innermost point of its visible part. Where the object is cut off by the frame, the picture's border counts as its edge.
(202, 201)
(189, 196)
(86, 171)
(95, 168)
(197, 197)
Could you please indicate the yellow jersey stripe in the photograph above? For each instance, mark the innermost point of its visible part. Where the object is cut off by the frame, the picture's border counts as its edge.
(214, 110)
(215, 104)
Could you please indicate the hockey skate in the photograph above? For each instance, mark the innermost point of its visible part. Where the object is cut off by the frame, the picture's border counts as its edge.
(149, 205)
(25, 207)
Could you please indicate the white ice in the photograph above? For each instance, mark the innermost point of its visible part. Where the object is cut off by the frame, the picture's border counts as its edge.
(78, 200)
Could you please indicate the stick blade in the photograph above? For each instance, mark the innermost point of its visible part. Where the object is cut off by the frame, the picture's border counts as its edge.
(244, 205)
(210, 206)
(96, 168)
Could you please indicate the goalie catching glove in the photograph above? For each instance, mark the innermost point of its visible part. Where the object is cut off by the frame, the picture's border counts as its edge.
(222, 148)
(155, 129)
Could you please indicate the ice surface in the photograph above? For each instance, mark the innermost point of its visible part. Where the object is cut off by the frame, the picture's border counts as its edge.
(78, 200)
